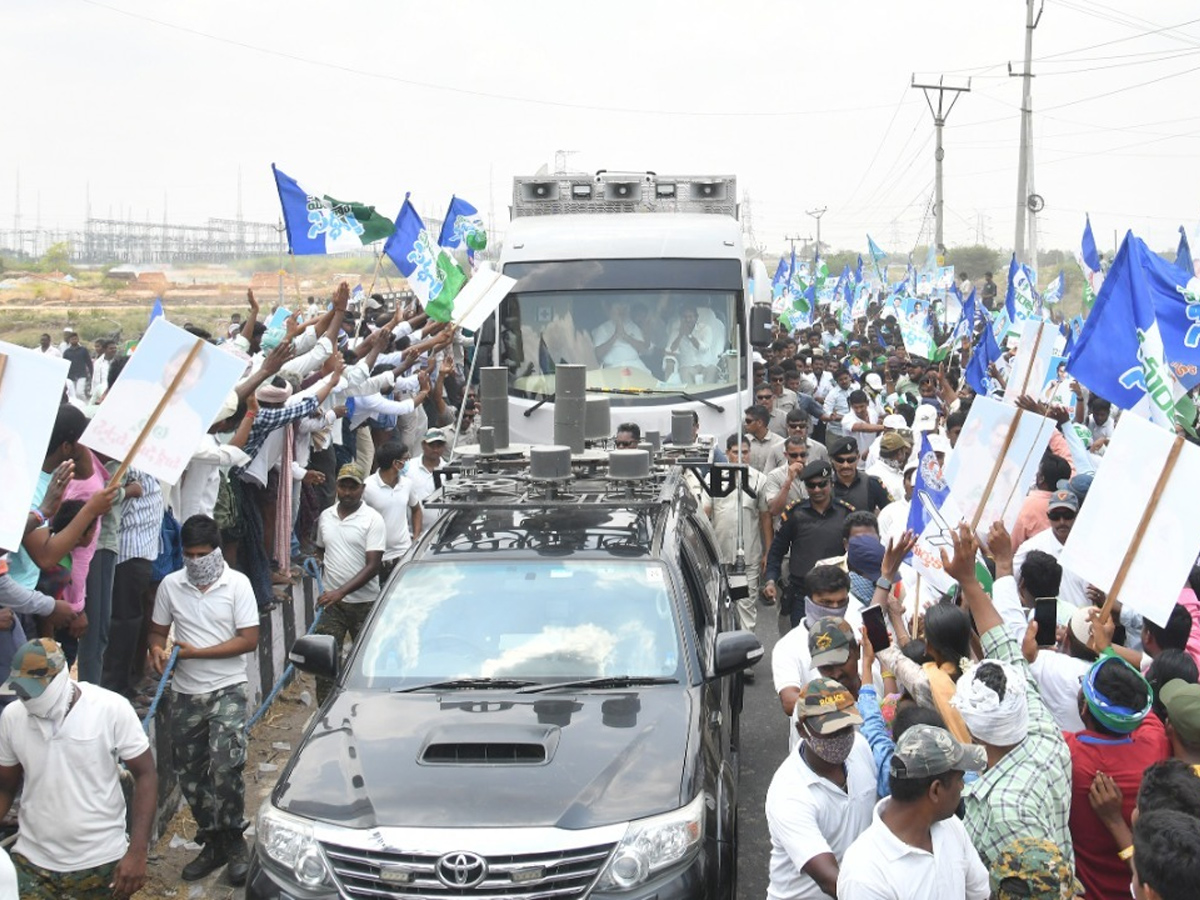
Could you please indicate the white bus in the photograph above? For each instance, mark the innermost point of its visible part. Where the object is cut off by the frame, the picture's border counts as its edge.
(643, 279)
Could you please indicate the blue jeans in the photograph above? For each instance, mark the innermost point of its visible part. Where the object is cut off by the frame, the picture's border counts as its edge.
(98, 608)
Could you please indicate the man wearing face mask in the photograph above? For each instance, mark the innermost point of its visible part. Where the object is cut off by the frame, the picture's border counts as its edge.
(821, 798)
(216, 624)
(65, 740)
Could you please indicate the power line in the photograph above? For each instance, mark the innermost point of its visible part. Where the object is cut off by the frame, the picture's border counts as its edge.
(490, 95)
(878, 148)
(1121, 90)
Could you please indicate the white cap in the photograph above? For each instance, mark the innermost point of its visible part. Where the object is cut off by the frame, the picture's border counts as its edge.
(759, 358)
(925, 418)
(939, 443)
(874, 382)
(894, 421)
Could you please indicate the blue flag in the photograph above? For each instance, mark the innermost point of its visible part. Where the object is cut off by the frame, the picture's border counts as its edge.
(966, 320)
(432, 275)
(157, 309)
(1073, 329)
(858, 271)
(1183, 256)
(1144, 327)
(929, 487)
(1053, 293)
(985, 352)
(876, 254)
(463, 225)
(779, 282)
(320, 224)
(1090, 257)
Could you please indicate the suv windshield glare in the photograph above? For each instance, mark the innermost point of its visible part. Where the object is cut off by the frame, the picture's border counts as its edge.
(529, 620)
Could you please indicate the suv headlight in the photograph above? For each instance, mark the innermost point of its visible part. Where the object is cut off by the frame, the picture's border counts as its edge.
(288, 841)
(652, 844)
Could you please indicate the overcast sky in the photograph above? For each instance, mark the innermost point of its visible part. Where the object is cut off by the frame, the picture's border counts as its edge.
(807, 102)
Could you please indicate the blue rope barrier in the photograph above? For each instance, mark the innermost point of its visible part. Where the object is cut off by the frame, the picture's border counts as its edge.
(162, 686)
(312, 568)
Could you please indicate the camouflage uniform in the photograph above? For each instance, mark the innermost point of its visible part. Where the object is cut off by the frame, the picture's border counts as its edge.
(1032, 869)
(208, 746)
(36, 883)
(338, 620)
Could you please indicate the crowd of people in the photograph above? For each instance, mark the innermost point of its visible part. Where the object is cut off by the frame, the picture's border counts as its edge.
(948, 754)
(326, 447)
(940, 746)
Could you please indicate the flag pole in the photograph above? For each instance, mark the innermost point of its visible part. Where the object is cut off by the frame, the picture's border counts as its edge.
(154, 416)
(375, 275)
(1147, 513)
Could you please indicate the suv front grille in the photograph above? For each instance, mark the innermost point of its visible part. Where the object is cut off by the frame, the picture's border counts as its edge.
(560, 875)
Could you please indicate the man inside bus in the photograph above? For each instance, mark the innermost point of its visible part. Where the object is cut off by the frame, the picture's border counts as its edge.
(619, 342)
(689, 358)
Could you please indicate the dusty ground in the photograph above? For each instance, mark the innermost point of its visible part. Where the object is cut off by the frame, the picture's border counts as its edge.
(281, 725)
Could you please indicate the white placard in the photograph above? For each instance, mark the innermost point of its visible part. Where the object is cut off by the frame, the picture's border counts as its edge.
(1135, 458)
(188, 415)
(1037, 365)
(479, 298)
(979, 445)
(30, 394)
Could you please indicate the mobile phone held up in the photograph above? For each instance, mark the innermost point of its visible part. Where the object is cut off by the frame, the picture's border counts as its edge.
(1045, 613)
(877, 632)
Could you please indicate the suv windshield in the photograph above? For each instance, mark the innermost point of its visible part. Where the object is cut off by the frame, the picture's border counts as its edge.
(527, 619)
(630, 340)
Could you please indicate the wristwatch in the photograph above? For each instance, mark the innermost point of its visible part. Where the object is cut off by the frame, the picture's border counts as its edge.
(883, 584)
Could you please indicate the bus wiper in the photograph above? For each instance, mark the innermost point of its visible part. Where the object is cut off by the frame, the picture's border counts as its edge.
(612, 681)
(458, 684)
(658, 391)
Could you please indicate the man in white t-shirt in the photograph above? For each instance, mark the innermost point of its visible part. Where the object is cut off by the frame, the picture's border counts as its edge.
(421, 475)
(351, 538)
(821, 798)
(66, 741)
(916, 848)
(215, 617)
(390, 493)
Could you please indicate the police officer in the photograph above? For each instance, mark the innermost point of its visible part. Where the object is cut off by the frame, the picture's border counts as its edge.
(852, 486)
(812, 530)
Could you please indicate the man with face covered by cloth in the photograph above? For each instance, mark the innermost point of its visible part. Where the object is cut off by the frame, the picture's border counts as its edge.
(823, 795)
(216, 624)
(66, 741)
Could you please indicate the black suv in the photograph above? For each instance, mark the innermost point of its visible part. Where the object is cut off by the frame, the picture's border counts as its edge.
(543, 704)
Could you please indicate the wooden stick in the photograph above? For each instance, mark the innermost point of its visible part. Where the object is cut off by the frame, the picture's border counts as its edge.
(3, 363)
(1032, 356)
(1159, 486)
(374, 276)
(119, 475)
(991, 483)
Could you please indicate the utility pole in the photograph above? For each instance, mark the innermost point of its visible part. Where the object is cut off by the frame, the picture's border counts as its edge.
(816, 214)
(939, 120)
(1026, 198)
(792, 238)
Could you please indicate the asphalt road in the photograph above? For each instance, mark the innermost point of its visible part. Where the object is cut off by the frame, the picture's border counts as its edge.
(764, 747)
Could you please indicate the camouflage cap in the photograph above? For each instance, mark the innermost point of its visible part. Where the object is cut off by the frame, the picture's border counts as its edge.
(351, 472)
(925, 750)
(1031, 868)
(34, 666)
(830, 641)
(826, 706)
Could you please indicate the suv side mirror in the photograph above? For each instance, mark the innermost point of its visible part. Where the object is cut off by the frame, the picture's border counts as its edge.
(736, 650)
(317, 654)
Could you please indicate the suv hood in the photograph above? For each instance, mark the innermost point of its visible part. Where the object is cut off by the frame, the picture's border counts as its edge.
(416, 759)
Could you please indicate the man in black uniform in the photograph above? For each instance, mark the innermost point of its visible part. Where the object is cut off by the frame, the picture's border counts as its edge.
(812, 529)
(856, 488)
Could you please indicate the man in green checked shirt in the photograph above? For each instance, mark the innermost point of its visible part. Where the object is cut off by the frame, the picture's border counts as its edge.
(1026, 789)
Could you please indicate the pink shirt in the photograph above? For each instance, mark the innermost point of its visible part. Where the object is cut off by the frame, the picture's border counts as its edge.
(81, 557)
(1187, 599)
(1032, 518)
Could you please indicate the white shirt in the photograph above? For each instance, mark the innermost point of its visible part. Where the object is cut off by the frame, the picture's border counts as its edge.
(196, 493)
(880, 866)
(893, 518)
(791, 662)
(72, 813)
(393, 503)
(1072, 589)
(347, 542)
(809, 815)
(621, 353)
(1058, 676)
(422, 488)
(50, 351)
(864, 438)
(205, 619)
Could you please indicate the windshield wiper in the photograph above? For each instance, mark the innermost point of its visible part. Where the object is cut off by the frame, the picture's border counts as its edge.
(456, 684)
(613, 681)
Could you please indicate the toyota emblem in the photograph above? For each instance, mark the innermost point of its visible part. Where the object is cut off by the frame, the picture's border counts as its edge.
(461, 870)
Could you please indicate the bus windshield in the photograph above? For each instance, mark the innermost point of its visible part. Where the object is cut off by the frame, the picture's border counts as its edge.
(630, 340)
